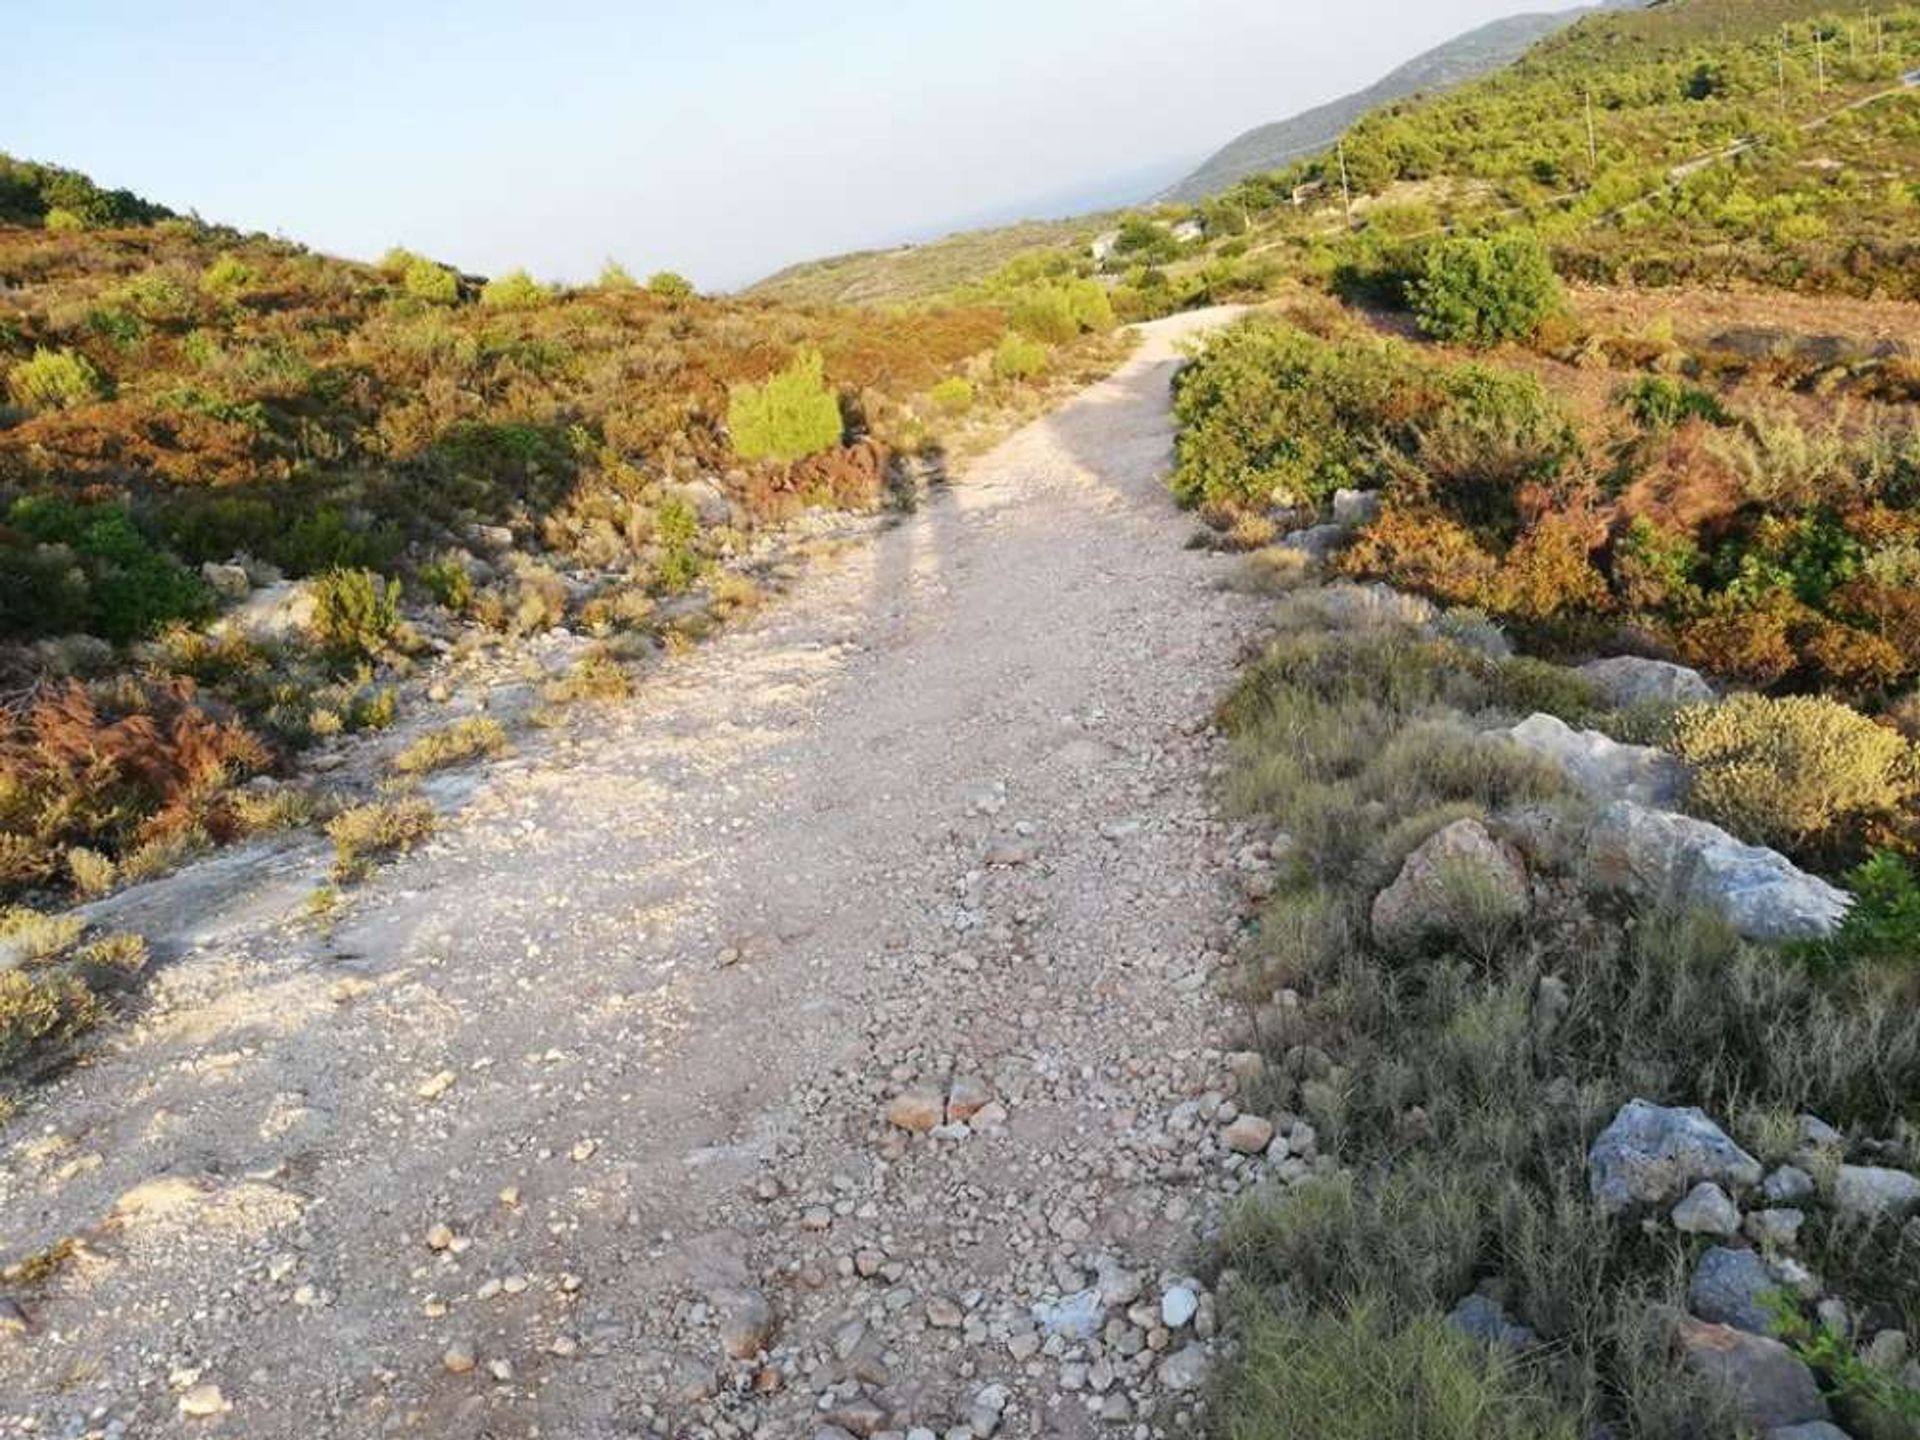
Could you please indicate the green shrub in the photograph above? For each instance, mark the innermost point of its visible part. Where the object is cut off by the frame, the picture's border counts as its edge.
(1059, 311)
(669, 286)
(435, 284)
(39, 1014)
(1799, 773)
(791, 416)
(515, 290)
(54, 380)
(676, 528)
(64, 220)
(1348, 1374)
(1019, 358)
(355, 612)
(1271, 414)
(227, 276)
(1484, 291)
(615, 276)
(1659, 402)
(449, 582)
(375, 831)
(953, 395)
(108, 578)
(1884, 924)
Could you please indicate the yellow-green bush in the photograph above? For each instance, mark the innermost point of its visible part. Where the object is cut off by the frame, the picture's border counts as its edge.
(953, 395)
(370, 832)
(355, 612)
(433, 283)
(39, 1013)
(515, 290)
(1019, 358)
(1797, 772)
(473, 738)
(54, 380)
(793, 415)
(1353, 1375)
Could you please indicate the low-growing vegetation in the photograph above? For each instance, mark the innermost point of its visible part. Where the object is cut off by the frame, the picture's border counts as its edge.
(1461, 1081)
(377, 830)
(477, 737)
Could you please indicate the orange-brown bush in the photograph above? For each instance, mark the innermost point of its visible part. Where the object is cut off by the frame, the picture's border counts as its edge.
(1424, 551)
(853, 477)
(1750, 645)
(1550, 571)
(112, 773)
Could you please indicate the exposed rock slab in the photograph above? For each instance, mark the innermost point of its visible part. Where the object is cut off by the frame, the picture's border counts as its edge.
(1658, 857)
(1599, 766)
(1630, 680)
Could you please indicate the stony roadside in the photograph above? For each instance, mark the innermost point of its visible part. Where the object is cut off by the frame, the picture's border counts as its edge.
(823, 1043)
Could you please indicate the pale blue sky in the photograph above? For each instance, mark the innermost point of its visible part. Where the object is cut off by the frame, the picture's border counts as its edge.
(723, 139)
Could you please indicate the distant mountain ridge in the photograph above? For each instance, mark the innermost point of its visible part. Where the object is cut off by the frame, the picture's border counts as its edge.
(1465, 57)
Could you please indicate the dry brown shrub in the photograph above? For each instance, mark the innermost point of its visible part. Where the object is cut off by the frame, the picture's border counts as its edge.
(1423, 551)
(1684, 486)
(1749, 645)
(1550, 571)
(76, 770)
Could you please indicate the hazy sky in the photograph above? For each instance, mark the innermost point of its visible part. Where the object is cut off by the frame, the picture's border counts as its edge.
(723, 139)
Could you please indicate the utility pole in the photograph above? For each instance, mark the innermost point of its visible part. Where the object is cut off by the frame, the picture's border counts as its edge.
(1593, 144)
(1346, 191)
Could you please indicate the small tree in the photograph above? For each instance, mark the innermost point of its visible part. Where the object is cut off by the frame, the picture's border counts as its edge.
(615, 276)
(1019, 358)
(1481, 292)
(433, 283)
(670, 286)
(515, 290)
(54, 379)
(792, 416)
(355, 613)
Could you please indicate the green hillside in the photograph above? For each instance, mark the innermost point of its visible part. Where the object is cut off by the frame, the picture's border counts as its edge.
(1466, 57)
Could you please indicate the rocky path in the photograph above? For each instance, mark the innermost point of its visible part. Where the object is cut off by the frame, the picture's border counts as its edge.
(822, 1043)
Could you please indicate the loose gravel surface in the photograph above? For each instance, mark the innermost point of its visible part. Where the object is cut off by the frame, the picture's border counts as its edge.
(824, 1042)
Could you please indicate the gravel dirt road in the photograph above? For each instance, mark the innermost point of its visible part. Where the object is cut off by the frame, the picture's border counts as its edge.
(605, 1113)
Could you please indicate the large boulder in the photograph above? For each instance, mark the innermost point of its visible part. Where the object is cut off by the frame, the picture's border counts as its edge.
(230, 582)
(707, 501)
(1461, 876)
(1652, 1155)
(1873, 1193)
(1480, 1318)
(1729, 1288)
(274, 612)
(1767, 1383)
(1658, 857)
(1354, 508)
(1598, 766)
(1629, 680)
(1318, 541)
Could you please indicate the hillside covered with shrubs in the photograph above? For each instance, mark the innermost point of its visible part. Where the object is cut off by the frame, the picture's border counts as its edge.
(201, 430)
(1588, 739)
